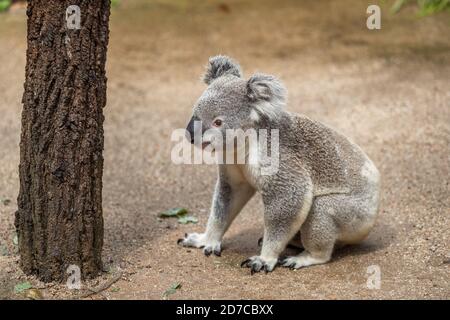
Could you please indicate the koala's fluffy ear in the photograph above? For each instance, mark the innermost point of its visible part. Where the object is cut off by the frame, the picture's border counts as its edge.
(219, 66)
(267, 93)
(266, 87)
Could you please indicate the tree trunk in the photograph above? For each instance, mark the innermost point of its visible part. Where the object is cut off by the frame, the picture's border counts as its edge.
(59, 219)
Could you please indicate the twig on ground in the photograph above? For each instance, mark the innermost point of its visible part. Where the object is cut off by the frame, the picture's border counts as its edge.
(100, 288)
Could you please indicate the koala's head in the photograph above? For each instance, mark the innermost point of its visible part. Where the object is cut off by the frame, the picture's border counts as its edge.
(231, 102)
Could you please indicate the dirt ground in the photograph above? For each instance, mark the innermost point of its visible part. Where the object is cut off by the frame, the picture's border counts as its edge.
(388, 90)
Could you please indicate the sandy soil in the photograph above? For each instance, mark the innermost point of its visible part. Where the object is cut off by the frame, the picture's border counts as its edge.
(388, 90)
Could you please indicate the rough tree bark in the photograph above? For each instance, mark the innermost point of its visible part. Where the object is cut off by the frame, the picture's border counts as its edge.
(59, 219)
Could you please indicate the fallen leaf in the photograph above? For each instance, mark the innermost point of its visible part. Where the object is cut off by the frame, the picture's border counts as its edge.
(187, 219)
(174, 212)
(180, 213)
(22, 287)
(4, 5)
(16, 239)
(34, 294)
(173, 288)
(3, 250)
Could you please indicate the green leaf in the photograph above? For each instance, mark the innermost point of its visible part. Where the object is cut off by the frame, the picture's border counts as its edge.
(4, 5)
(22, 287)
(180, 213)
(426, 7)
(429, 7)
(398, 4)
(3, 250)
(115, 289)
(176, 286)
(187, 219)
(173, 212)
(173, 288)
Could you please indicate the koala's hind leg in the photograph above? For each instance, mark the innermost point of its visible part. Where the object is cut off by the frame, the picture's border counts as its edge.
(318, 235)
(334, 220)
(284, 214)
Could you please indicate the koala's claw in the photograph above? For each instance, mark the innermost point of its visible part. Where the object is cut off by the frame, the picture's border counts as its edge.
(209, 250)
(285, 262)
(244, 263)
(257, 264)
(181, 239)
(289, 263)
(260, 242)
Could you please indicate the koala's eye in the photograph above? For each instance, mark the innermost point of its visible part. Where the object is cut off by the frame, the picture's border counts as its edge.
(217, 123)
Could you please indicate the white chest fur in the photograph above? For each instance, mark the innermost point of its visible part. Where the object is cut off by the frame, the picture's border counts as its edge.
(252, 168)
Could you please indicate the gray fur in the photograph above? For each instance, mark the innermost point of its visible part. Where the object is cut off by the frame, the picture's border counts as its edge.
(219, 66)
(325, 192)
(266, 94)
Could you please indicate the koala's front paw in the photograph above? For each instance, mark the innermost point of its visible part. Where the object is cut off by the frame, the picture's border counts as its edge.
(257, 263)
(199, 240)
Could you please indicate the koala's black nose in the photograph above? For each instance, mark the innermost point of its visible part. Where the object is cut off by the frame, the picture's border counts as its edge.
(190, 129)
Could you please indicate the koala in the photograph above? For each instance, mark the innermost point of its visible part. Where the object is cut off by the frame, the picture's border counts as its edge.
(324, 194)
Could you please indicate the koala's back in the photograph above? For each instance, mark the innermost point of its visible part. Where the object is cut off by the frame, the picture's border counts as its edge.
(334, 163)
